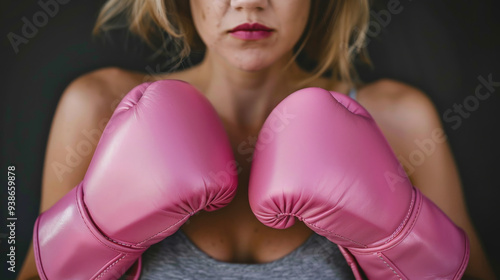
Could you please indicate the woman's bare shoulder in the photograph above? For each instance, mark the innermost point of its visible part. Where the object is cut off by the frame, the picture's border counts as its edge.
(403, 113)
(101, 90)
(398, 105)
(103, 86)
(81, 115)
(95, 95)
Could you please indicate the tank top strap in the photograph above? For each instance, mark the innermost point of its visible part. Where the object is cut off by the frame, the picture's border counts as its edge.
(353, 93)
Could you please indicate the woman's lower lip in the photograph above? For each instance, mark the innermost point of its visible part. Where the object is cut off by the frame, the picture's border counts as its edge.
(251, 35)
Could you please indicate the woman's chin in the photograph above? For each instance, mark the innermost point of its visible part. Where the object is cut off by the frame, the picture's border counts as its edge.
(250, 61)
(251, 68)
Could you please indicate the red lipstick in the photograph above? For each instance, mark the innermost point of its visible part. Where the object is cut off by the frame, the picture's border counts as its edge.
(251, 31)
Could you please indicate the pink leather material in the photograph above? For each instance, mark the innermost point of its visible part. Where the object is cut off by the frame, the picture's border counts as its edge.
(331, 167)
(69, 246)
(134, 273)
(163, 156)
(430, 241)
(353, 264)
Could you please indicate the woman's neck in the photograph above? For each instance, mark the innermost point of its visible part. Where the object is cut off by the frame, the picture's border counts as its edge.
(245, 98)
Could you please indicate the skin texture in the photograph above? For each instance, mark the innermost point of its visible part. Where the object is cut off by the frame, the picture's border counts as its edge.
(244, 81)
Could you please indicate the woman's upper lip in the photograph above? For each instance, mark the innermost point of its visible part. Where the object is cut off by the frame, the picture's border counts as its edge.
(251, 27)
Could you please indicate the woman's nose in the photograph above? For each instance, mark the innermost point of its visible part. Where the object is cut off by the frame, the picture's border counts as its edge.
(249, 4)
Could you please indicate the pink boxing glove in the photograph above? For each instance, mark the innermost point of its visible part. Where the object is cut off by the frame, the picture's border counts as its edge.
(330, 166)
(162, 157)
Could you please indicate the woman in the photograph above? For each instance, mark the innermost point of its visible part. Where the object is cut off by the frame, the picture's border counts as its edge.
(244, 76)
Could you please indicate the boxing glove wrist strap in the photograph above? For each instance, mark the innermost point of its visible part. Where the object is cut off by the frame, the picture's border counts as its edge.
(68, 245)
(429, 245)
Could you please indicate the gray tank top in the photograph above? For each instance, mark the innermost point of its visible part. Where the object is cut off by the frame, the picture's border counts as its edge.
(176, 257)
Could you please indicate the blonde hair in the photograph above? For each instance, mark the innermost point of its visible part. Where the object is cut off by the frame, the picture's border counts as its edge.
(333, 37)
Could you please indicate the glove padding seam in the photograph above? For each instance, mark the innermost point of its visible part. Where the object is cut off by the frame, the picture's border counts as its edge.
(138, 245)
(325, 230)
(123, 244)
(168, 228)
(399, 229)
(389, 266)
(105, 236)
(465, 260)
(82, 216)
(349, 103)
(109, 267)
(415, 214)
(80, 204)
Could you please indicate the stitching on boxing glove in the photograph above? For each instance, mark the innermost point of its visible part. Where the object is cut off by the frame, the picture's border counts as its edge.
(176, 223)
(109, 267)
(322, 229)
(389, 266)
(408, 215)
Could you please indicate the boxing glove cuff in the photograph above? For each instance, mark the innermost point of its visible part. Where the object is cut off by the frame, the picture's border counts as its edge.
(68, 245)
(430, 246)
